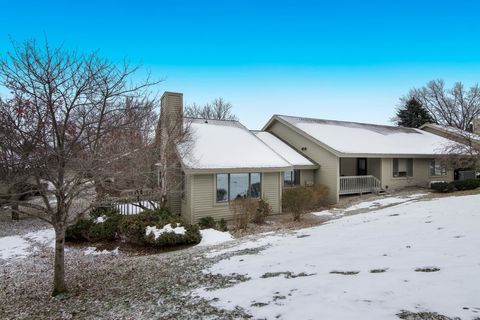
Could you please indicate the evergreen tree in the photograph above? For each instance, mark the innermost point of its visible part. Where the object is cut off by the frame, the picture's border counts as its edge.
(412, 115)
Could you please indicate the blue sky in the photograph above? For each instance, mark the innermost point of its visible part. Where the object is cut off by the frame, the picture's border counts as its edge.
(348, 60)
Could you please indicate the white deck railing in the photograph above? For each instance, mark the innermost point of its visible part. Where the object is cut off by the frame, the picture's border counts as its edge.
(359, 184)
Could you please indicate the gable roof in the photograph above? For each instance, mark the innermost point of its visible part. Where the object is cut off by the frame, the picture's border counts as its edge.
(226, 144)
(351, 138)
(283, 149)
(452, 132)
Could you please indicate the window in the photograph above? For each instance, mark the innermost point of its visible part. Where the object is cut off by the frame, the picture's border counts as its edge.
(231, 186)
(402, 168)
(255, 185)
(438, 168)
(222, 187)
(291, 178)
(238, 185)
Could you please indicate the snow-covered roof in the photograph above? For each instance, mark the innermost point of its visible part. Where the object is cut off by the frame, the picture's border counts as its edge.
(283, 149)
(362, 138)
(219, 144)
(453, 131)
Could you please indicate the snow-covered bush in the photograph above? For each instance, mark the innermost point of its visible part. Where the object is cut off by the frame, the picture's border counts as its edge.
(132, 228)
(105, 227)
(172, 234)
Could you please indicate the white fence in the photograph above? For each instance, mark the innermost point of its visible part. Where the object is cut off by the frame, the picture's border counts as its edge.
(359, 184)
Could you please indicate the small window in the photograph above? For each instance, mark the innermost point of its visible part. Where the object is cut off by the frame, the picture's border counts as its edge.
(288, 178)
(438, 167)
(222, 187)
(255, 185)
(402, 168)
(291, 178)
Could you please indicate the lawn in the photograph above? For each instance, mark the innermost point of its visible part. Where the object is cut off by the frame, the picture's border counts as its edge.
(416, 256)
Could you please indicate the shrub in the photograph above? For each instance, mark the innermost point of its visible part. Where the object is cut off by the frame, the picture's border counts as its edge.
(106, 230)
(320, 192)
(103, 211)
(132, 228)
(207, 223)
(243, 210)
(79, 231)
(443, 186)
(298, 200)
(222, 225)
(192, 236)
(468, 184)
(263, 211)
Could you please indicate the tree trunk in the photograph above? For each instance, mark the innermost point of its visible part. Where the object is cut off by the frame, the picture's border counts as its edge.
(15, 215)
(59, 264)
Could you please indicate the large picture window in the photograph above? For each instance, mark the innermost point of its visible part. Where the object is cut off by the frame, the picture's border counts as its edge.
(402, 168)
(231, 186)
(438, 168)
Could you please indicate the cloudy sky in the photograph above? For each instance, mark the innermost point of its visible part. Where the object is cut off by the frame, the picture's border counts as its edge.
(346, 60)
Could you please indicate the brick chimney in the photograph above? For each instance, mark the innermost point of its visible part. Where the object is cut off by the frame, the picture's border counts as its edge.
(169, 131)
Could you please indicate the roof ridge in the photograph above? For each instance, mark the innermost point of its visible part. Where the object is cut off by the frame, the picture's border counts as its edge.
(342, 121)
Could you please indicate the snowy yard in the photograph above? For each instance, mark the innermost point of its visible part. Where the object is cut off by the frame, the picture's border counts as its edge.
(366, 266)
(414, 255)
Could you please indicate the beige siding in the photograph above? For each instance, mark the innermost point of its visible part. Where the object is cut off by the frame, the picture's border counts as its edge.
(421, 175)
(203, 202)
(348, 166)
(374, 167)
(272, 190)
(328, 172)
(307, 175)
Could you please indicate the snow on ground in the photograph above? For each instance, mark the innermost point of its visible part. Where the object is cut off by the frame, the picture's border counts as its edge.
(93, 252)
(212, 237)
(16, 247)
(383, 202)
(364, 266)
(368, 205)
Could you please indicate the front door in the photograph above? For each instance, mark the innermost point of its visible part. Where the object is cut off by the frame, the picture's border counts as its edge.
(361, 166)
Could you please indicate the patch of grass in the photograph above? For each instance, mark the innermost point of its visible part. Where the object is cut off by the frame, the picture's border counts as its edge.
(345, 273)
(378, 270)
(287, 274)
(427, 269)
(408, 315)
(259, 304)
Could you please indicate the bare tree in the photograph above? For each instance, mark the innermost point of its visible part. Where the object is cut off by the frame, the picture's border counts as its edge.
(455, 107)
(57, 125)
(218, 109)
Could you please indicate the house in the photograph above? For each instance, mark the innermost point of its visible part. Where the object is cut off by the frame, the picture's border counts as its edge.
(223, 160)
(359, 157)
(470, 145)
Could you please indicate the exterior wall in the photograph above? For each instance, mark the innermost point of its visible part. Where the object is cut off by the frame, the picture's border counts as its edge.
(421, 175)
(307, 175)
(348, 166)
(200, 196)
(328, 173)
(374, 167)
